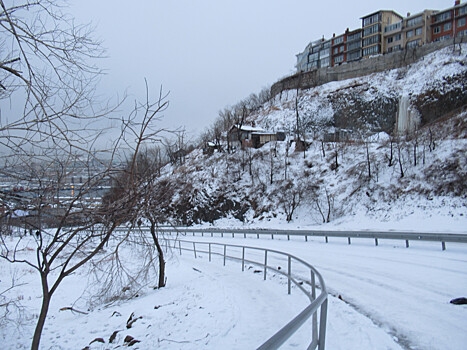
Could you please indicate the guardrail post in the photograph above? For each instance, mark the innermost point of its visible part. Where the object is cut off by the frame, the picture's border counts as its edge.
(406, 243)
(257, 235)
(443, 245)
(225, 252)
(289, 274)
(306, 238)
(348, 239)
(322, 324)
(265, 263)
(222, 234)
(244, 235)
(194, 249)
(233, 235)
(272, 235)
(288, 237)
(314, 324)
(209, 252)
(180, 247)
(326, 237)
(243, 259)
(376, 241)
(202, 233)
(211, 234)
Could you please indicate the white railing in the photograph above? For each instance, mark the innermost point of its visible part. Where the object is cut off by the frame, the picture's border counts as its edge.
(263, 258)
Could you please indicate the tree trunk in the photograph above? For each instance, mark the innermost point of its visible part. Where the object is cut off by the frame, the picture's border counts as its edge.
(46, 296)
(161, 282)
(368, 160)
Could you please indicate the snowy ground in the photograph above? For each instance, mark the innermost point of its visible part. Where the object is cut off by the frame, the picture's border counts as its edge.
(393, 298)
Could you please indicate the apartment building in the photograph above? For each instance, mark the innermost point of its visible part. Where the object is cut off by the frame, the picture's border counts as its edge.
(346, 47)
(412, 31)
(449, 23)
(382, 32)
(317, 54)
(372, 31)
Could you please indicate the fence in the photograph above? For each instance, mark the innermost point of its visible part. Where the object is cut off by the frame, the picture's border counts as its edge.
(317, 304)
(405, 236)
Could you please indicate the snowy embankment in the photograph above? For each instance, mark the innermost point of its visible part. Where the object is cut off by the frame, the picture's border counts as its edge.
(373, 178)
(392, 298)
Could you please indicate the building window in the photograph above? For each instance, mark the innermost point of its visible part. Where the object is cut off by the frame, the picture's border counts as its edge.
(339, 59)
(443, 16)
(418, 31)
(392, 27)
(461, 22)
(397, 37)
(437, 29)
(462, 33)
(390, 39)
(324, 62)
(313, 64)
(341, 48)
(354, 45)
(372, 19)
(335, 51)
(372, 50)
(414, 21)
(376, 28)
(409, 34)
(463, 10)
(338, 40)
(447, 26)
(371, 40)
(324, 53)
(354, 56)
(355, 36)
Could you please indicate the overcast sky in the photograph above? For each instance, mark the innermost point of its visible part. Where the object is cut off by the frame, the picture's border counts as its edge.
(211, 53)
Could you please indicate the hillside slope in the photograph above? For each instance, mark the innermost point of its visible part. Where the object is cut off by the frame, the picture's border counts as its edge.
(371, 176)
(434, 87)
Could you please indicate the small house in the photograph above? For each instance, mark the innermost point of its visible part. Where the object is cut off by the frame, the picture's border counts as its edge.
(250, 136)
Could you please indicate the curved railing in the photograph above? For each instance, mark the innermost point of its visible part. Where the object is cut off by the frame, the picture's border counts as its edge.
(263, 257)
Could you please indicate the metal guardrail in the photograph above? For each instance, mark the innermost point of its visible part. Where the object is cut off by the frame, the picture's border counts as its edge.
(376, 235)
(316, 303)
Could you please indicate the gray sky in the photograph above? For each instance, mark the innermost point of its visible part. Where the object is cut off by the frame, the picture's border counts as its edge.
(211, 53)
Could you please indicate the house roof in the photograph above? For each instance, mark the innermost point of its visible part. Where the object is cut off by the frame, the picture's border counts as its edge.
(249, 128)
(390, 11)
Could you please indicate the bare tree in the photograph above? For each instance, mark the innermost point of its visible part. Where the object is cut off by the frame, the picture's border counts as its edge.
(292, 195)
(44, 63)
(390, 157)
(329, 202)
(400, 157)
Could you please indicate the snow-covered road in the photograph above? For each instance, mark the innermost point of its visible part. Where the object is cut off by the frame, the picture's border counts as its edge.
(405, 292)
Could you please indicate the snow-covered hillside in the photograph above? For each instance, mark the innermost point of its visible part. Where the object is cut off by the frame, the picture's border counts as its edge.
(434, 86)
(373, 174)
